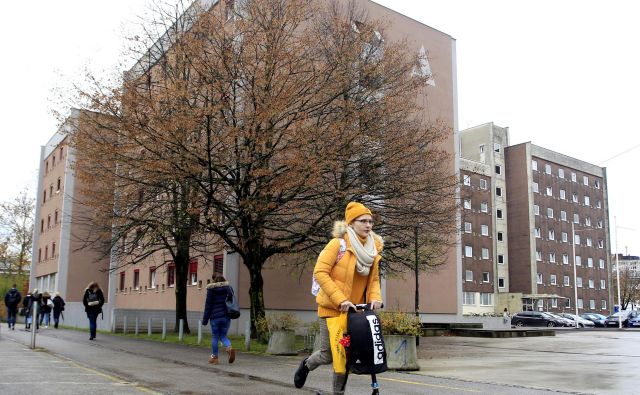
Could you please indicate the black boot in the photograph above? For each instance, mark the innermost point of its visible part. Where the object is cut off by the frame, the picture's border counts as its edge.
(301, 374)
(339, 383)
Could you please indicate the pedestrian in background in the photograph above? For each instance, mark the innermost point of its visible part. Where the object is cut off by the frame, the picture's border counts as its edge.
(58, 308)
(45, 310)
(93, 300)
(34, 300)
(505, 316)
(215, 314)
(346, 280)
(12, 300)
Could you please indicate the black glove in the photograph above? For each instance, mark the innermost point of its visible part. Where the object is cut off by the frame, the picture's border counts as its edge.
(205, 322)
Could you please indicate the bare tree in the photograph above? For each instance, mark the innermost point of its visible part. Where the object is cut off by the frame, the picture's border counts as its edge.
(629, 287)
(262, 119)
(16, 228)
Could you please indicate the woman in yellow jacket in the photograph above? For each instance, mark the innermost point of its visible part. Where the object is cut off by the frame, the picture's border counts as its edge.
(344, 281)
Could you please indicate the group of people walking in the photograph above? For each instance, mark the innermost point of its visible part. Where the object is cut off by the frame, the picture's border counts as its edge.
(45, 304)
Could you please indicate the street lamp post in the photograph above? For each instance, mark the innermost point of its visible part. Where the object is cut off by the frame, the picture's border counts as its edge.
(417, 272)
(575, 276)
(615, 223)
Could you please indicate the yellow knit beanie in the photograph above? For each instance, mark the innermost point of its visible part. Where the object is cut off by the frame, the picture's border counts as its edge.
(354, 210)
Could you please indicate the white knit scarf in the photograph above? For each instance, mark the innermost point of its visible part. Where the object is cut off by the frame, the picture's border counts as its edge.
(365, 254)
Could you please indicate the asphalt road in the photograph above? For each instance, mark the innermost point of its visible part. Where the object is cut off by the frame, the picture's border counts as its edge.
(600, 362)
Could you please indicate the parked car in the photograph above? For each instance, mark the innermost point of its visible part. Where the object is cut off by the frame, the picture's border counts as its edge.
(582, 322)
(596, 318)
(623, 316)
(565, 321)
(634, 322)
(535, 318)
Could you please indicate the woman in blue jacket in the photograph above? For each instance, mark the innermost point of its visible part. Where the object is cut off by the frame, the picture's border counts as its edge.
(215, 313)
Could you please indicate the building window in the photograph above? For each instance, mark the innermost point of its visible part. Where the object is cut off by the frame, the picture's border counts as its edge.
(136, 279)
(50, 191)
(536, 209)
(485, 253)
(585, 180)
(44, 197)
(552, 279)
(574, 197)
(535, 187)
(498, 191)
(561, 173)
(467, 227)
(536, 232)
(600, 243)
(500, 236)
(499, 214)
(579, 282)
(549, 212)
(122, 274)
(46, 252)
(481, 148)
(601, 263)
(565, 259)
(534, 165)
(501, 259)
(580, 304)
(53, 161)
(484, 229)
(483, 183)
(484, 207)
(218, 264)
(603, 304)
(539, 278)
(552, 257)
(589, 243)
(589, 262)
(171, 275)
(466, 180)
(53, 250)
(486, 299)
(563, 194)
(567, 281)
(46, 167)
(500, 282)
(574, 178)
(596, 183)
(485, 277)
(467, 204)
(538, 255)
(193, 272)
(469, 298)
(586, 200)
(61, 152)
(41, 225)
(599, 224)
(498, 169)
(49, 221)
(554, 303)
(564, 237)
(496, 147)
(576, 218)
(578, 260)
(152, 277)
(468, 251)
(567, 302)
(468, 275)
(598, 204)
(587, 221)
(549, 191)
(39, 254)
(547, 168)
(592, 283)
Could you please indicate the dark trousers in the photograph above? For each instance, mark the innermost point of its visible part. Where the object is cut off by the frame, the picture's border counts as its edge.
(93, 317)
(11, 316)
(56, 317)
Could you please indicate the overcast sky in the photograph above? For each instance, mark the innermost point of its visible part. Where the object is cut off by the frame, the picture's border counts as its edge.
(564, 75)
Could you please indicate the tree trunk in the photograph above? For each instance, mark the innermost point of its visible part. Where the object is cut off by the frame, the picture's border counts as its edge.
(256, 295)
(182, 269)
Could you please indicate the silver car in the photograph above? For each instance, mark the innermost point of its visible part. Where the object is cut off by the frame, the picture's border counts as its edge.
(582, 322)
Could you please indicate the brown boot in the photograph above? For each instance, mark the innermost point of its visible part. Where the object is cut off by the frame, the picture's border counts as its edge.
(232, 354)
(213, 360)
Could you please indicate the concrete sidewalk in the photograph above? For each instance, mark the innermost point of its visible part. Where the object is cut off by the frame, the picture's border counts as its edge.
(449, 366)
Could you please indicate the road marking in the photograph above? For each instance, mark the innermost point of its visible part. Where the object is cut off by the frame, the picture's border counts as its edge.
(427, 385)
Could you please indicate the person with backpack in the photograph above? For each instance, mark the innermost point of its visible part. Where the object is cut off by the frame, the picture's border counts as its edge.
(345, 278)
(216, 314)
(93, 300)
(32, 300)
(12, 300)
(58, 308)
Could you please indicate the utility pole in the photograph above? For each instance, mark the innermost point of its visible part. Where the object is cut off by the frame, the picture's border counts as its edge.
(417, 272)
(575, 278)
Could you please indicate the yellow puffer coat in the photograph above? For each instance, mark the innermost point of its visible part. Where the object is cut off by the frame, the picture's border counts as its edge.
(336, 278)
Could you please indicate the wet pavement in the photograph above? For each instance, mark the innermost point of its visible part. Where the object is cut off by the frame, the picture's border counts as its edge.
(590, 362)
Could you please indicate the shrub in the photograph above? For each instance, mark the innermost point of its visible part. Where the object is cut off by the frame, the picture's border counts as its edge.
(277, 322)
(399, 323)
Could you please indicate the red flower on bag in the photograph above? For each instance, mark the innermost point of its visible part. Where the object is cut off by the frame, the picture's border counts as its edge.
(345, 341)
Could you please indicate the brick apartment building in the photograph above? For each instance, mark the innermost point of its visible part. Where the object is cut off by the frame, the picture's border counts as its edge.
(146, 290)
(520, 205)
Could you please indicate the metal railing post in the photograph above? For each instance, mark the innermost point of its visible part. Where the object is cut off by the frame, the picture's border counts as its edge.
(247, 336)
(164, 328)
(124, 325)
(137, 324)
(34, 324)
(149, 327)
(181, 330)
(199, 331)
